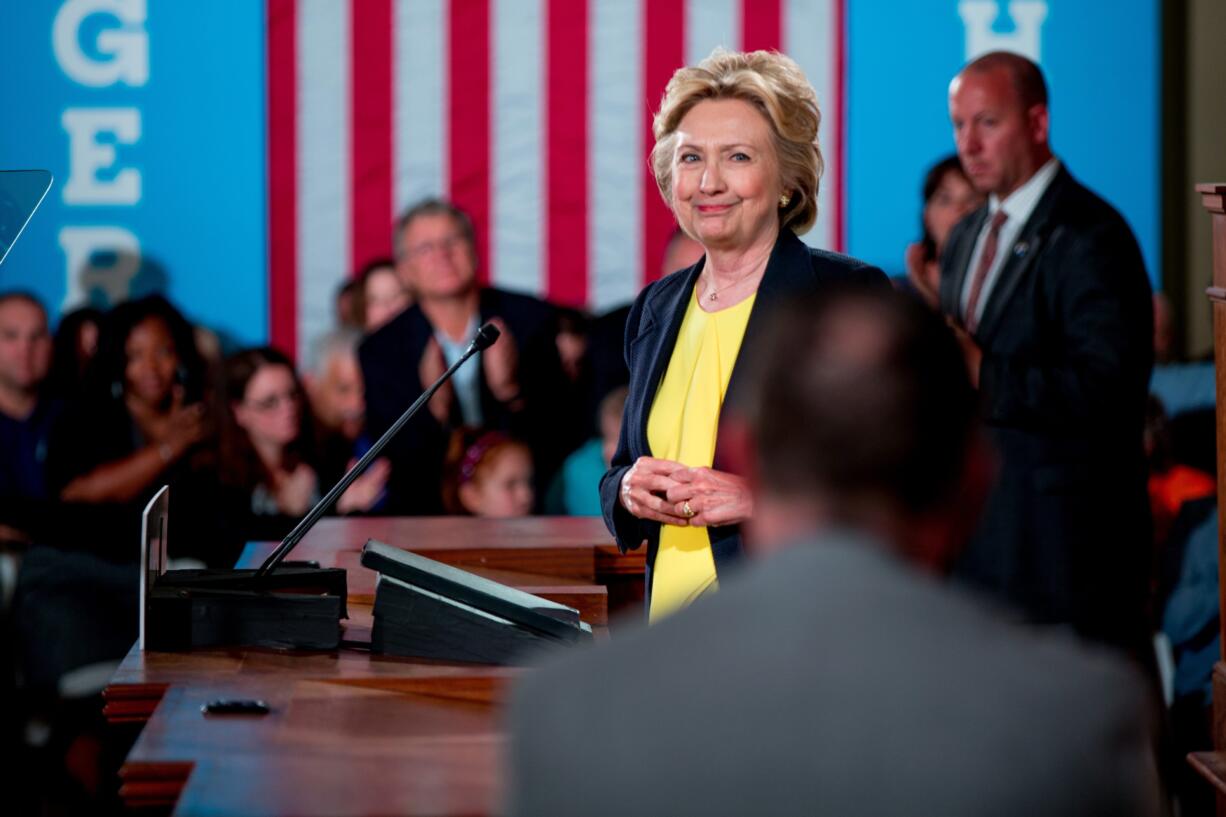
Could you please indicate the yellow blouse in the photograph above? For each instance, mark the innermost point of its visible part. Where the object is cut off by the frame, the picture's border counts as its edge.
(682, 426)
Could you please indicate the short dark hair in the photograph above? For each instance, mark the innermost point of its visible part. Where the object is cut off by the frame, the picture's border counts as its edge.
(23, 295)
(1026, 76)
(433, 207)
(862, 393)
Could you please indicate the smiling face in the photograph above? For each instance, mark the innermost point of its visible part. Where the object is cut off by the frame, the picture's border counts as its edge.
(725, 176)
(1001, 142)
(152, 359)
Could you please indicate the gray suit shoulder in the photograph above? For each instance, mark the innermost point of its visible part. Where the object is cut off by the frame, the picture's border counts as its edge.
(830, 679)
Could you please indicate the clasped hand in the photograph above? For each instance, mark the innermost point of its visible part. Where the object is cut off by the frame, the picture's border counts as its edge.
(675, 494)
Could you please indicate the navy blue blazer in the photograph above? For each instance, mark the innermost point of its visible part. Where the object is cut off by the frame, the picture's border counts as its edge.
(651, 332)
(1067, 340)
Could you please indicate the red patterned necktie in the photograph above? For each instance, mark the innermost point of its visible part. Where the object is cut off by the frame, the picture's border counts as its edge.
(981, 271)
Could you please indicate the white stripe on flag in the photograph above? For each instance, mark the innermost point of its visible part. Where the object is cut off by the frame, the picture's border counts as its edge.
(517, 151)
(711, 23)
(419, 94)
(617, 155)
(322, 163)
(808, 38)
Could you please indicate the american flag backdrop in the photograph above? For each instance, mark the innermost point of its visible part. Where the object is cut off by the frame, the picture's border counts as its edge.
(532, 115)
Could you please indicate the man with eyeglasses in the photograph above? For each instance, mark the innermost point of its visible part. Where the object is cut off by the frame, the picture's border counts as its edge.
(514, 386)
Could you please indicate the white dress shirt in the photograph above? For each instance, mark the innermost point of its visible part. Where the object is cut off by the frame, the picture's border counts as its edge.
(1018, 206)
(467, 380)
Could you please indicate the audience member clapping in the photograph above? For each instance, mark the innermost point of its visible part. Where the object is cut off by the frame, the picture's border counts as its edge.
(516, 385)
(338, 400)
(269, 459)
(144, 420)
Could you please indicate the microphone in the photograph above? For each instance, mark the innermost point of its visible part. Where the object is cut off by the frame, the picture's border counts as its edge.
(484, 339)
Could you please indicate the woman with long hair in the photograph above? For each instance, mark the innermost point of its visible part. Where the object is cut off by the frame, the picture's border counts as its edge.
(269, 462)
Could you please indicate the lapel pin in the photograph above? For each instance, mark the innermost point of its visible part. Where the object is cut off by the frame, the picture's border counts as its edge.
(1021, 248)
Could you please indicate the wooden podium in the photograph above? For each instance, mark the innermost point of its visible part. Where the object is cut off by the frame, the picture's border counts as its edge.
(1212, 765)
(351, 732)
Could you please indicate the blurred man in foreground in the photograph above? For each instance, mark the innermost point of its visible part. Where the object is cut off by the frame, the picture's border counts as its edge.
(840, 675)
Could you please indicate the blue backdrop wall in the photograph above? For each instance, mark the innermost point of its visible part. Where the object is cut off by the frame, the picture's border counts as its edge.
(153, 125)
(1102, 62)
(152, 118)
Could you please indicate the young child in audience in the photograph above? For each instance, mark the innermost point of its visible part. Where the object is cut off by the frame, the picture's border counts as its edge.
(575, 491)
(488, 473)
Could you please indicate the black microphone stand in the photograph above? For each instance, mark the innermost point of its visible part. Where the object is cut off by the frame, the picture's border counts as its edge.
(484, 338)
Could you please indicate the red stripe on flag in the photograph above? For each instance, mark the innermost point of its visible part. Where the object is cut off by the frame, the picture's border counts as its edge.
(469, 48)
(282, 182)
(840, 123)
(663, 54)
(566, 151)
(761, 25)
(370, 156)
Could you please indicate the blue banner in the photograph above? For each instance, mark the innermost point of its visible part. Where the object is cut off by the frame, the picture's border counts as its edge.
(1102, 63)
(151, 118)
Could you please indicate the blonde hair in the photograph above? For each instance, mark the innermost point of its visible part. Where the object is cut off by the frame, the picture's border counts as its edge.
(774, 84)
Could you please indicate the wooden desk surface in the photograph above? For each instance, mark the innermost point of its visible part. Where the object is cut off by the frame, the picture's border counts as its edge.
(350, 732)
(577, 547)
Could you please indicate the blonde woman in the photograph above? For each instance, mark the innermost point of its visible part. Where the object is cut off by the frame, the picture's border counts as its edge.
(737, 160)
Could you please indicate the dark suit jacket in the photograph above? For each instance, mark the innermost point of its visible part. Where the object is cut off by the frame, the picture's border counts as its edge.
(389, 358)
(833, 679)
(1067, 349)
(651, 331)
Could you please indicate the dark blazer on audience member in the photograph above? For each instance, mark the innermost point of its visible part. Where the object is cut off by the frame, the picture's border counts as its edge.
(390, 357)
(1067, 350)
(832, 679)
(651, 332)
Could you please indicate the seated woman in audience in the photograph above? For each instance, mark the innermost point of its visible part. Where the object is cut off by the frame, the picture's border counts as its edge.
(487, 473)
(948, 198)
(268, 459)
(143, 420)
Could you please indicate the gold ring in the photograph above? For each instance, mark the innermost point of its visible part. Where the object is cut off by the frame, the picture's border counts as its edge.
(687, 510)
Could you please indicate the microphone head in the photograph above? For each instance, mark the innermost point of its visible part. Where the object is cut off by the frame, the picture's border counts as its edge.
(485, 337)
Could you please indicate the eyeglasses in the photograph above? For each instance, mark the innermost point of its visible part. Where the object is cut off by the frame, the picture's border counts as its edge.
(274, 401)
(446, 244)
